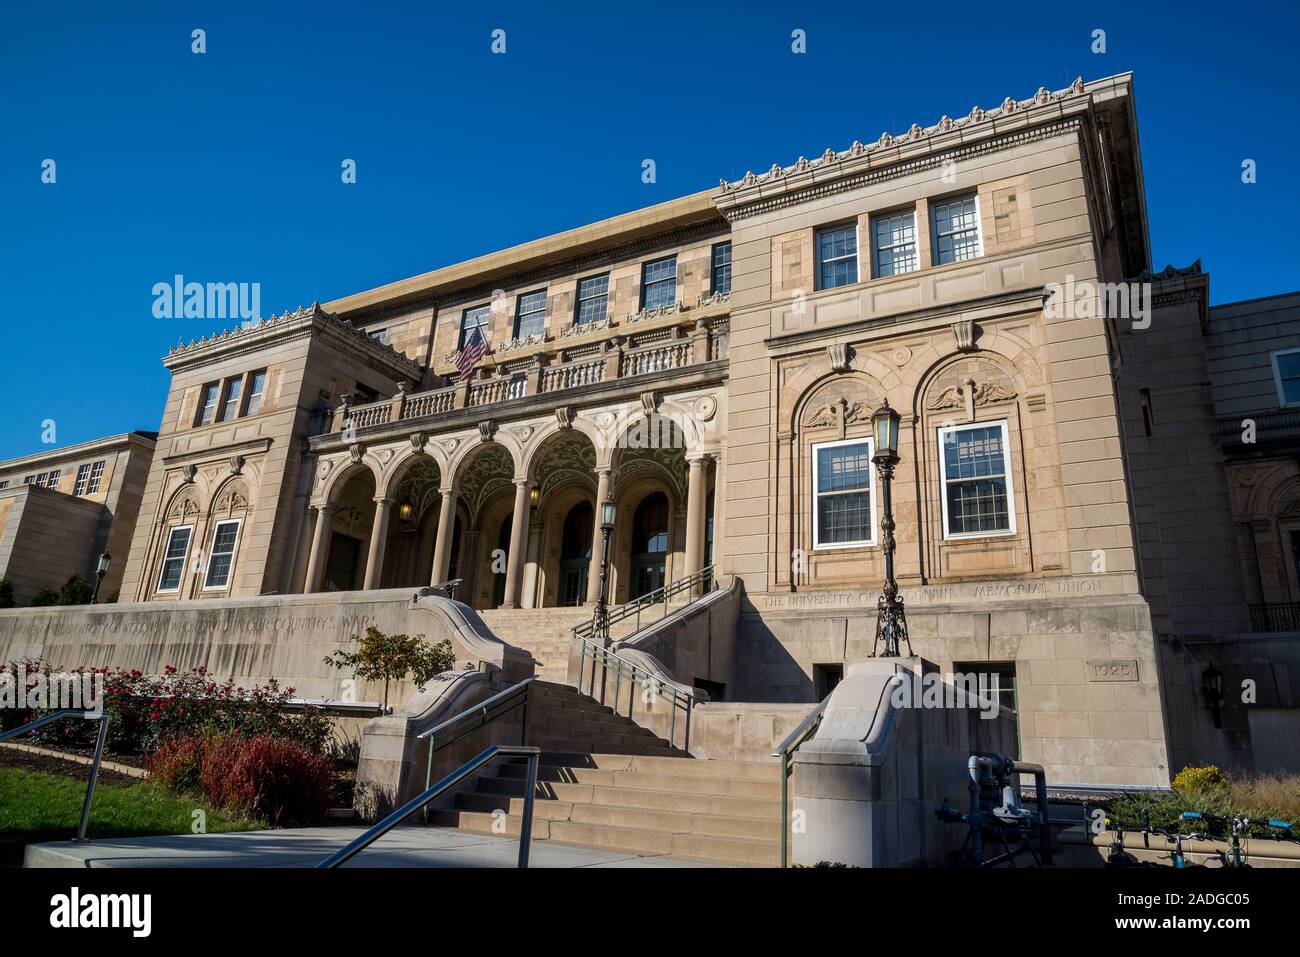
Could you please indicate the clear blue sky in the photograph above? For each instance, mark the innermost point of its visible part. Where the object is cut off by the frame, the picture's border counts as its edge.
(225, 167)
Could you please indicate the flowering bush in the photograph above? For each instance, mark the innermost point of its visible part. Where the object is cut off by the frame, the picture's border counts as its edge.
(145, 709)
(274, 779)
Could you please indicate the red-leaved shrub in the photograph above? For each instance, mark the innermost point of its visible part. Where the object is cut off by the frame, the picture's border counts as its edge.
(175, 764)
(277, 780)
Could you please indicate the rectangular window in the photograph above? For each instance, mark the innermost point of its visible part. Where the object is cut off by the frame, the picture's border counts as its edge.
(480, 318)
(178, 546)
(659, 283)
(4, 483)
(1286, 372)
(27, 479)
(956, 229)
(895, 243)
(96, 474)
(843, 489)
(837, 256)
(52, 480)
(530, 314)
(230, 408)
(222, 555)
(39, 481)
(722, 268)
(593, 299)
(976, 468)
(83, 476)
(380, 336)
(208, 403)
(256, 388)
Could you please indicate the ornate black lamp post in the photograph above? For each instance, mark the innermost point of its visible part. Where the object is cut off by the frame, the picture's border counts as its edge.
(601, 620)
(891, 623)
(100, 571)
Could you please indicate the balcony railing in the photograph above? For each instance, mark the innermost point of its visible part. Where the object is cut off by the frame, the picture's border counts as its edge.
(1279, 616)
(660, 350)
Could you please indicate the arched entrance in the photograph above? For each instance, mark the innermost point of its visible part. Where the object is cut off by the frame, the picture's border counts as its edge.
(575, 554)
(649, 545)
(499, 562)
(349, 533)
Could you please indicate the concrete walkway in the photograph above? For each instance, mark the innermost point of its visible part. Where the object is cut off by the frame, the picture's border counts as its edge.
(306, 847)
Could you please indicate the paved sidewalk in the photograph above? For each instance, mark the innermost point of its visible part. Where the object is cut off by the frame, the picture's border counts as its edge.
(306, 847)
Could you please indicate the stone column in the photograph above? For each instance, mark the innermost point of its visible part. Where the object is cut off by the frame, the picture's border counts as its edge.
(695, 496)
(518, 542)
(593, 569)
(718, 480)
(531, 594)
(320, 541)
(442, 548)
(378, 539)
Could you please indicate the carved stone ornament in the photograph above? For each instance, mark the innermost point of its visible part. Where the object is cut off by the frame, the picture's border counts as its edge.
(355, 451)
(189, 472)
(417, 440)
(486, 429)
(706, 407)
(564, 416)
(840, 356)
(964, 333)
(236, 464)
(649, 402)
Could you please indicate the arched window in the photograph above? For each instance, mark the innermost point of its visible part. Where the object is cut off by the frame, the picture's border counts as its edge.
(649, 544)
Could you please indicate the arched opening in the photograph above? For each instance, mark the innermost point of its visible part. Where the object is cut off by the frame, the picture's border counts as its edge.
(349, 534)
(649, 544)
(575, 554)
(413, 525)
(454, 565)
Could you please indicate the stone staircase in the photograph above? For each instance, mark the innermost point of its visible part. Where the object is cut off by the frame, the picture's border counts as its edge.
(545, 633)
(605, 782)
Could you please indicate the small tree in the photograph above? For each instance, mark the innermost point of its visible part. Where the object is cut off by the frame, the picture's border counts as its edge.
(47, 595)
(6, 593)
(390, 658)
(76, 592)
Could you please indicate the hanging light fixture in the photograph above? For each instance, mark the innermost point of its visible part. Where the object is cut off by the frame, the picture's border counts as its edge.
(406, 510)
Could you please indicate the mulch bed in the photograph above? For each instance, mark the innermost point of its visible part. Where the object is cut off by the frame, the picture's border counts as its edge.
(27, 761)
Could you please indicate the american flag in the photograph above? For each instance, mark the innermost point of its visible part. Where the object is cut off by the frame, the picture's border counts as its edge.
(474, 349)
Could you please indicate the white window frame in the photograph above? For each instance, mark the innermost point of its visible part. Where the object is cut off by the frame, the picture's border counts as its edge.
(96, 477)
(934, 229)
(1006, 471)
(83, 479)
(871, 490)
(52, 480)
(817, 255)
(874, 223)
(184, 559)
(1277, 378)
(201, 418)
(246, 404)
(234, 549)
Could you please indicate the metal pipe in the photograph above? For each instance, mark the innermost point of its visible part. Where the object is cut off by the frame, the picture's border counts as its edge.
(94, 779)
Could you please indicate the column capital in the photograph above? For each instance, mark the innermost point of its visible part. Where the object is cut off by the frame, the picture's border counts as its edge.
(329, 508)
(384, 501)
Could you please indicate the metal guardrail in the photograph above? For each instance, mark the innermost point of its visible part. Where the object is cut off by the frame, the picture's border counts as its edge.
(448, 588)
(422, 800)
(607, 660)
(473, 719)
(1275, 616)
(93, 779)
(805, 730)
(696, 585)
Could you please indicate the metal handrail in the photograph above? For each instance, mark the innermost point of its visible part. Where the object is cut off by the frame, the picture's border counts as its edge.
(516, 696)
(448, 588)
(606, 658)
(422, 800)
(93, 779)
(704, 578)
(794, 740)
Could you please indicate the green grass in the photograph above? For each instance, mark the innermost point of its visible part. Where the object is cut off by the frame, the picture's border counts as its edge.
(37, 807)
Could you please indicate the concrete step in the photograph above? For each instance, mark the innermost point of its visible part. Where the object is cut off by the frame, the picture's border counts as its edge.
(611, 743)
(769, 810)
(649, 780)
(555, 723)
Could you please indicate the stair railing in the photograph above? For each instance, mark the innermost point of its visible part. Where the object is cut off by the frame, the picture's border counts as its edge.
(93, 777)
(605, 660)
(448, 588)
(785, 750)
(696, 586)
(421, 802)
(475, 718)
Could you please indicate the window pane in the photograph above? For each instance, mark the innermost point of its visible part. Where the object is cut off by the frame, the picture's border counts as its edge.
(255, 390)
(83, 475)
(978, 506)
(593, 299)
(659, 283)
(96, 473)
(477, 318)
(973, 453)
(843, 493)
(208, 403)
(231, 409)
(722, 268)
(975, 475)
(843, 518)
(531, 319)
(837, 256)
(174, 559)
(1288, 368)
(956, 230)
(896, 243)
(223, 553)
(844, 468)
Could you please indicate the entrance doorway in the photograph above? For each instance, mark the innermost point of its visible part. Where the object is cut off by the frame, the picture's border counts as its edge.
(575, 554)
(649, 544)
(499, 560)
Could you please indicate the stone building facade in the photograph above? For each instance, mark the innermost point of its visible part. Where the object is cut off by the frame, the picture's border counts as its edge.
(60, 510)
(711, 365)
